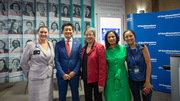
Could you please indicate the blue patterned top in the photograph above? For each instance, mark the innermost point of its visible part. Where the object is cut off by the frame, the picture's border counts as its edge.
(135, 58)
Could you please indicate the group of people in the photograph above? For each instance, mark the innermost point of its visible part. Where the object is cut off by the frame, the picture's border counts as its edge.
(102, 69)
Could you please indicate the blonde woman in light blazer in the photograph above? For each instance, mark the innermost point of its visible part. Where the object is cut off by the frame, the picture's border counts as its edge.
(37, 65)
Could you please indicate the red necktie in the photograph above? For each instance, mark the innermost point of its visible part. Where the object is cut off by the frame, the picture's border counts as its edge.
(68, 50)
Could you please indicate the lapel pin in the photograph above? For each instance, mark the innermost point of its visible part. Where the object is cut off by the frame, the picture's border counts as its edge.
(37, 46)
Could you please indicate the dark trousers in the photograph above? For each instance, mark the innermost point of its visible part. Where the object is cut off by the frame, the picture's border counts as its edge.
(73, 83)
(88, 87)
(135, 89)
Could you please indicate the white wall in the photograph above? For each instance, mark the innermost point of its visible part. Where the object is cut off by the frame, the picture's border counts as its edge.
(112, 8)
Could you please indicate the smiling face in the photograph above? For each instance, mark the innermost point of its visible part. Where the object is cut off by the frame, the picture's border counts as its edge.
(41, 8)
(129, 37)
(29, 8)
(89, 36)
(29, 25)
(65, 10)
(43, 34)
(1, 45)
(77, 26)
(68, 32)
(15, 25)
(15, 64)
(15, 43)
(16, 7)
(1, 25)
(41, 24)
(111, 38)
(54, 26)
(1, 64)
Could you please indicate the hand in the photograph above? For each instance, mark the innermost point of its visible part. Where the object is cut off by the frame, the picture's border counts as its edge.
(101, 89)
(71, 74)
(147, 85)
(66, 77)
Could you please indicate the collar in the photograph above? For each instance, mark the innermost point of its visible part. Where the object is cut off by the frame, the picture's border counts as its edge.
(117, 46)
(70, 40)
(91, 46)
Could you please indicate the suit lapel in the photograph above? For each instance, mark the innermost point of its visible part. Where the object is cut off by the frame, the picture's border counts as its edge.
(73, 45)
(40, 48)
(64, 48)
(37, 46)
(52, 54)
(93, 48)
(51, 49)
(91, 51)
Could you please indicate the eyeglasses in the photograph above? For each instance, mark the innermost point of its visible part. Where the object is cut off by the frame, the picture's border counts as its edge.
(86, 35)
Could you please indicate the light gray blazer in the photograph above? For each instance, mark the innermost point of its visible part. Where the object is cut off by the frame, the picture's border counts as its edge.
(36, 66)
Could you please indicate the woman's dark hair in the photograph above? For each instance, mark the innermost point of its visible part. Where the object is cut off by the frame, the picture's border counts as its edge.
(16, 41)
(3, 43)
(3, 7)
(55, 10)
(16, 59)
(128, 31)
(78, 26)
(89, 8)
(2, 23)
(42, 23)
(4, 63)
(29, 22)
(13, 24)
(67, 24)
(65, 7)
(54, 23)
(11, 6)
(28, 41)
(76, 7)
(53, 40)
(106, 38)
(28, 4)
(39, 3)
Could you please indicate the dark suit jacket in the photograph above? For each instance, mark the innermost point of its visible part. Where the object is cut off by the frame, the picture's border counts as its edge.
(96, 64)
(63, 61)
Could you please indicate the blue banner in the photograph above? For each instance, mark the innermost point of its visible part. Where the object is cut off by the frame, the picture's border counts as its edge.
(162, 32)
(104, 31)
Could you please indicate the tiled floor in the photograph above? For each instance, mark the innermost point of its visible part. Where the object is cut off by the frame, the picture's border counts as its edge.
(12, 91)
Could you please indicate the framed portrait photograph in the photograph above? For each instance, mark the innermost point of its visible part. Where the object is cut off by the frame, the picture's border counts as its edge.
(14, 7)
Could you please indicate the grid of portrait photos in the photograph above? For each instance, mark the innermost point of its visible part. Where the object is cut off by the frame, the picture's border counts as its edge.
(20, 20)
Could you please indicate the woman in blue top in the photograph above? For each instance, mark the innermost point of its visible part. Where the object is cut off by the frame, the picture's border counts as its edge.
(139, 67)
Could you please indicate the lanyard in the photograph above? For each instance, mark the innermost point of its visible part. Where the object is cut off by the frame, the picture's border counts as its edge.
(133, 57)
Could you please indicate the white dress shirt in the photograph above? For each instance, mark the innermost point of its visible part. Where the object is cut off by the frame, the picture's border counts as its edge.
(70, 43)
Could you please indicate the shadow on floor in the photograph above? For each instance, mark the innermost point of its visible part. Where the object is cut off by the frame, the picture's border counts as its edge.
(15, 90)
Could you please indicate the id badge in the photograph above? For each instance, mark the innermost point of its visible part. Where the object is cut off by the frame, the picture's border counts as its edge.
(36, 52)
(136, 70)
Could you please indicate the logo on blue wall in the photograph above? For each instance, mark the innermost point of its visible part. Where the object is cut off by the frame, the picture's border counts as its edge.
(104, 31)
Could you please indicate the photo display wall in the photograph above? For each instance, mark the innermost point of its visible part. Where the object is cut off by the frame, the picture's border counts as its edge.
(20, 19)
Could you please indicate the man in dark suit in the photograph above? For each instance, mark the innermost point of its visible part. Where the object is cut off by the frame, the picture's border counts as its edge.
(67, 61)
